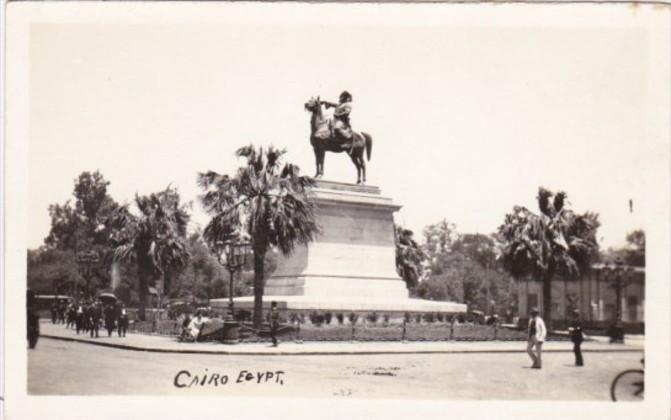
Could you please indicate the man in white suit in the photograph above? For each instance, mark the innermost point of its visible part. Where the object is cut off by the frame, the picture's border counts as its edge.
(537, 333)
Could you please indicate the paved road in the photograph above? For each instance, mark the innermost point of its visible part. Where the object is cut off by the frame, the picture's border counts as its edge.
(70, 368)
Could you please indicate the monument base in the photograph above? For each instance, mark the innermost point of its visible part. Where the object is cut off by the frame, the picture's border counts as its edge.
(350, 266)
(335, 304)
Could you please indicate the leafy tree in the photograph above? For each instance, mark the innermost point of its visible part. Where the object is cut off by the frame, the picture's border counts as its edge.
(486, 280)
(409, 257)
(438, 238)
(82, 226)
(465, 268)
(204, 278)
(445, 279)
(443, 272)
(154, 240)
(64, 227)
(557, 241)
(263, 202)
(635, 252)
(86, 225)
(52, 270)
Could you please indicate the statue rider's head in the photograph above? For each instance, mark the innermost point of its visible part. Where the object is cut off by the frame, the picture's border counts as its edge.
(312, 103)
(345, 96)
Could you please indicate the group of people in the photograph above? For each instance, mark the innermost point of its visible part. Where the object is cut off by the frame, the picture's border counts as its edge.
(89, 316)
(192, 326)
(58, 312)
(537, 334)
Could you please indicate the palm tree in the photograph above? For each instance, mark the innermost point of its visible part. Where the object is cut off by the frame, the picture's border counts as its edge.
(555, 242)
(268, 204)
(155, 239)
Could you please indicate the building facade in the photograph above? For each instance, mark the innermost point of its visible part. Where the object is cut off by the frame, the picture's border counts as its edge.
(593, 294)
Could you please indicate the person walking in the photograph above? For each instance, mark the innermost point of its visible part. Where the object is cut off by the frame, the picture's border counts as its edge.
(122, 319)
(54, 312)
(79, 317)
(274, 323)
(32, 320)
(577, 337)
(71, 315)
(537, 333)
(61, 313)
(109, 319)
(95, 317)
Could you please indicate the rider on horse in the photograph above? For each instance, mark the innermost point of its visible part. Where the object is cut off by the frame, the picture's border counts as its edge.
(341, 124)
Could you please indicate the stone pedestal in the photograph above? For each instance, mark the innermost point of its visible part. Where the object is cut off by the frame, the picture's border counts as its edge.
(351, 266)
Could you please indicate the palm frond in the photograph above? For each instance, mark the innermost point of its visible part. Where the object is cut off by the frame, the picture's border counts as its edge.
(543, 198)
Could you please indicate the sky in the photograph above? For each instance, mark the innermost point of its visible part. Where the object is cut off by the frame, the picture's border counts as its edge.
(467, 120)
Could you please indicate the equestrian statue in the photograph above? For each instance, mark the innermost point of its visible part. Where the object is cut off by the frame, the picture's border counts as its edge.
(336, 135)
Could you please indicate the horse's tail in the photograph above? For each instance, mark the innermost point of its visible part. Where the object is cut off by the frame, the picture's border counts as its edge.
(369, 144)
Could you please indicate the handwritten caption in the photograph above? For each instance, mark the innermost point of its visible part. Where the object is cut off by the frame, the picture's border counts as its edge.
(186, 379)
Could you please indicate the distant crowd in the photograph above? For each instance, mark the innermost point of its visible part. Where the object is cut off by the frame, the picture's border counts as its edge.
(88, 317)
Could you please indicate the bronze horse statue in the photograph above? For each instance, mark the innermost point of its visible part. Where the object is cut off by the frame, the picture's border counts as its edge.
(322, 139)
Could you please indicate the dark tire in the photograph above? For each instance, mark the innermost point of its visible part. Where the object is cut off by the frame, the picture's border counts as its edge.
(628, 386)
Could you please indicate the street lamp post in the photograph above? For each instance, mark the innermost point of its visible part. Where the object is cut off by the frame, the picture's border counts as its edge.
(233, 256)
(85, 262)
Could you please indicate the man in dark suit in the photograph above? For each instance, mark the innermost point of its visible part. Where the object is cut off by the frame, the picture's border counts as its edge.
(274, 323)
(109, 319)
(54, 312)
(79, 317)
(86, 317)
(33, 319)
(95, 317)
(122, 319)
(62, 307)
(576, 336)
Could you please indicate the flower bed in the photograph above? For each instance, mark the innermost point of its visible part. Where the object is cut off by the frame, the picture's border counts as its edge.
(437, 331)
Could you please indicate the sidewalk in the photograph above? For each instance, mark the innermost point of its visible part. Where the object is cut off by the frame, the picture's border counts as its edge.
(163, 344)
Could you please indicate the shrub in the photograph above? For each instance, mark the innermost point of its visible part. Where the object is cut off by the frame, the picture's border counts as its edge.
(316, 318)
(353, 318)
(340, 317)
(385, 319)
(372, 317)
(328, 316)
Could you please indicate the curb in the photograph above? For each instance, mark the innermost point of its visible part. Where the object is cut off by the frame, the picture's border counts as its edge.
(322, 353)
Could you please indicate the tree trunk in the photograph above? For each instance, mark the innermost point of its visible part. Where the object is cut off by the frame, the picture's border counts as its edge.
(547, 300)
(142, 291)
(167, 281)
(618, 299)
(259, 260)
